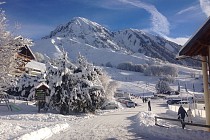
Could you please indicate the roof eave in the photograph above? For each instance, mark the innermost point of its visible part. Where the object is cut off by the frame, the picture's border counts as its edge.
(191, 41)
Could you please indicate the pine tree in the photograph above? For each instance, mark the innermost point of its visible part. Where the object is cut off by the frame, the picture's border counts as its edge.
(75, 88)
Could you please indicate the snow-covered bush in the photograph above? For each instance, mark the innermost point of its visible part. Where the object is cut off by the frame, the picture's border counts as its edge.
(105, 80)
(168, 79)
(170, 70)
(159, 70)
(125, 66)
(153, 70)
(109, 64)
(131, 67)
(162, 87)
(138, 68)
(110, 90)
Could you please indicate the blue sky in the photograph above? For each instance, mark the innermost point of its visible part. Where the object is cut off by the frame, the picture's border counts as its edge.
(174, 19)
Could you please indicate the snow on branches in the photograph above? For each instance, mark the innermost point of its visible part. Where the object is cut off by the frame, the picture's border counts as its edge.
(9, 46)
(162, 86)
(72, 87)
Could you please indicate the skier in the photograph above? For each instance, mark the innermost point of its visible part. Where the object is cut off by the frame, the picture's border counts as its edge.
(149, 105)
(190, 115)
(182, 113)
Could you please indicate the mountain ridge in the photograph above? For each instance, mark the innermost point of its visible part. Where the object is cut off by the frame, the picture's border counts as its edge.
(84, 32)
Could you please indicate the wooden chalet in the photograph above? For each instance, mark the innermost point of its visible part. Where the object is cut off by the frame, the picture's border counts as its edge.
(199, 45)
(23, 56)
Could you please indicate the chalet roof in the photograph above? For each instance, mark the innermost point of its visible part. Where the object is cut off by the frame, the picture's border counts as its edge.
(27, 52)
(42, 84)
(197, 44)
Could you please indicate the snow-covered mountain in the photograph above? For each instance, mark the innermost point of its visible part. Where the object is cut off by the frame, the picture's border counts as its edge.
(150, 45)
(100, 46)
(86, 32)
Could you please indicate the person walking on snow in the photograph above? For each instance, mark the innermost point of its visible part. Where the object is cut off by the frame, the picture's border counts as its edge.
(190, 115)
(149, 105)
(182, 113)
(143, 99)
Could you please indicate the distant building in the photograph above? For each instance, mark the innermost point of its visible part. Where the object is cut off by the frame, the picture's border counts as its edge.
(119, 93)
(127, 95)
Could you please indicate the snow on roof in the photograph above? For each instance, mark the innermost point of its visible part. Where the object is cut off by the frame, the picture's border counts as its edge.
(36, 65)
(31, 52)
(42, 83)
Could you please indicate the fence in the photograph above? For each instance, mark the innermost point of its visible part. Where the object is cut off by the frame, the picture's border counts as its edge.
(4, 100)
(182, 122)
(195, 112)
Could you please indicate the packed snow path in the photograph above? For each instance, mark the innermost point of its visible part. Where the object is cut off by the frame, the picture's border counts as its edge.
(120, 124)
(113, 125)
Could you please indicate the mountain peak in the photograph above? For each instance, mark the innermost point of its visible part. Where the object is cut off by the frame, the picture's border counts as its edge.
(84, 21)
(78, 25)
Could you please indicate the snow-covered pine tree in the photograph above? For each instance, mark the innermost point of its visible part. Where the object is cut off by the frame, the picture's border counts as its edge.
(60, 81)
(91, 89)
(9, 46)
(74, 88)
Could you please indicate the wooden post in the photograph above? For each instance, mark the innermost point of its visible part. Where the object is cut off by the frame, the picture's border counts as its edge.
(206, 90)
(39, 106)
(156, 120)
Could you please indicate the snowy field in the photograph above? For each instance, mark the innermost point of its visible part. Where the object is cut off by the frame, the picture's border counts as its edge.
(24, 123)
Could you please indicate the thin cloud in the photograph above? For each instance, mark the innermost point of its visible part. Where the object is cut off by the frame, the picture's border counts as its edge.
(159, 23)
(178, 40)
(189, 9)
(205, 6)
(2, 2)
(110, 4)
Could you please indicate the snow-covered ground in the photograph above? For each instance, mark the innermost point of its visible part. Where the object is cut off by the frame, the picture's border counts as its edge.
(124, 123)
(24, 122)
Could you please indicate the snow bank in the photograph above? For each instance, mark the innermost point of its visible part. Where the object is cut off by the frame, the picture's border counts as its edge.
(26, 123)
(44, 133)
(147, 125)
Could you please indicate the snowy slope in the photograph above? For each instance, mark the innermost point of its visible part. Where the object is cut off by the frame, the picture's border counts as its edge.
(95, 55)
(95, 41)
(150, 45)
